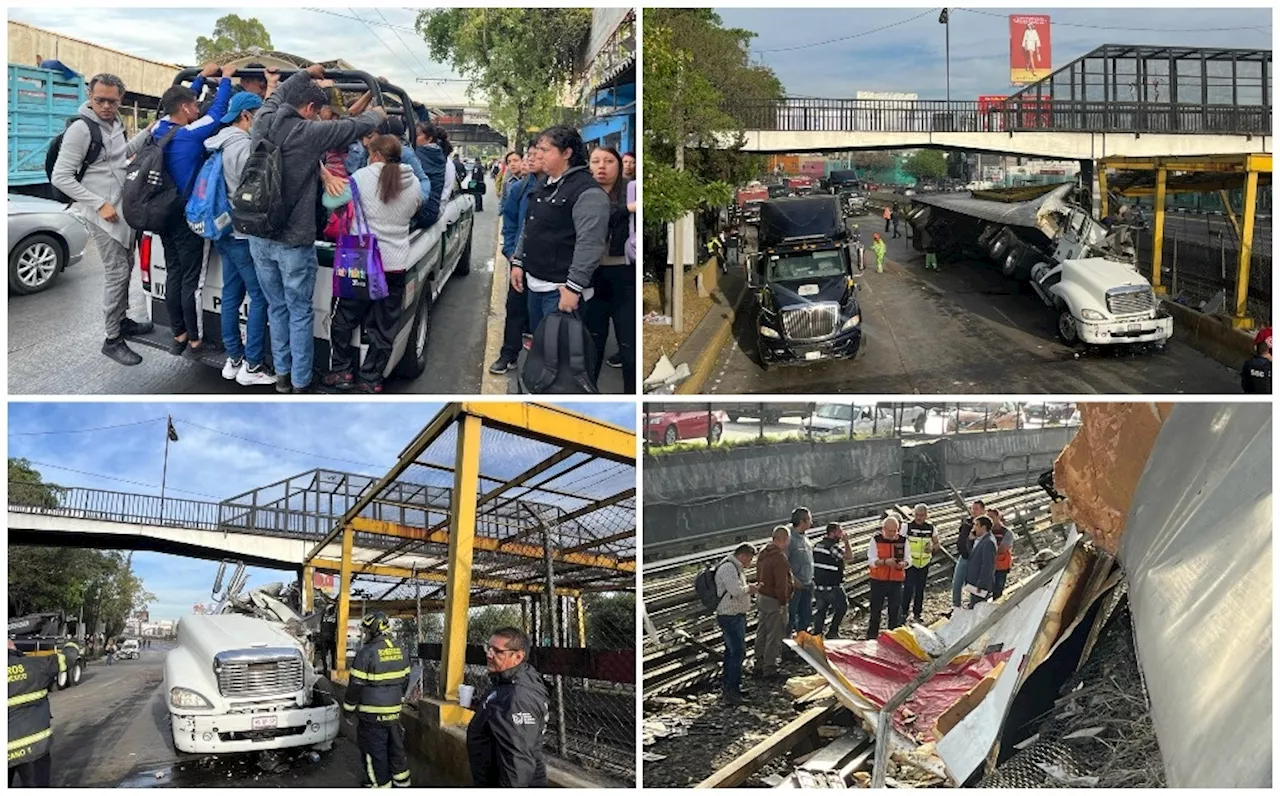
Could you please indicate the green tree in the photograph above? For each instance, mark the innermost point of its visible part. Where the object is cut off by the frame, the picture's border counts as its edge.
(486, 619)
(28, 488)
(874, 160)
(926, 164)
(523, 60)
(611, 620)
(231, 34)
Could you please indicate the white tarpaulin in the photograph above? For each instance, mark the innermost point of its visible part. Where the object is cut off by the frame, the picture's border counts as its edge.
(1197, 553)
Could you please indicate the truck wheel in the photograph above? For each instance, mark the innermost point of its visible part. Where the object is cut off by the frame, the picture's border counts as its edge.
(670, 437)
(716, 432)
(1010, 265)
(1067, 328)
(76, 672)
(414, 361)
(464, 263)
(34, 264)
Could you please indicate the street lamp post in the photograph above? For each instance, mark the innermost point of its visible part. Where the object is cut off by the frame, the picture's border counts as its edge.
(944, 19)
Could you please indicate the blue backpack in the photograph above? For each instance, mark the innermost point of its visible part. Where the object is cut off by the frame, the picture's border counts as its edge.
(209, 210)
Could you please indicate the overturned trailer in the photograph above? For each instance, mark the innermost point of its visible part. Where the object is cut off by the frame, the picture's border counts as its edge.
(994, 696)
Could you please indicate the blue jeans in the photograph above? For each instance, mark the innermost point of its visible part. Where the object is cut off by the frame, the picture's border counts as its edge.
(287, 275)
(1002, 575)
(800, 610)
(542, 305)
(957, 581)
(735, 649)
(239, 277)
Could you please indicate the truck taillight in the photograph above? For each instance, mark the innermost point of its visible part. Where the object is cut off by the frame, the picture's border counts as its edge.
(144, 260)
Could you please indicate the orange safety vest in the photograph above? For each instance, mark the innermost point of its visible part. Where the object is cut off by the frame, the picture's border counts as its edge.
(885, 548)
(887, 213)
(1004, 558)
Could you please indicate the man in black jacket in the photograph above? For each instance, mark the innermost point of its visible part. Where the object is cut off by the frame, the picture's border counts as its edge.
(979, 580)
(31, 678)
(504, 738)
(964, 543)
(379, 678)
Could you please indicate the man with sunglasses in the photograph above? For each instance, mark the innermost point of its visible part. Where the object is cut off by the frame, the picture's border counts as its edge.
(90, 171)
(504, 738)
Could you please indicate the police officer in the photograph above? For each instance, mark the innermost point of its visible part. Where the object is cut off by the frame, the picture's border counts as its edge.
(504, 738)
(31, 677)
(922, 543)
(829, 557)
(378, 681)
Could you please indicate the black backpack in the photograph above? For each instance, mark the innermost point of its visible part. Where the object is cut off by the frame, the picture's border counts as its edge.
(151, 198)
(704, 585)
(90, 155)
(559, 359)
(256, 207)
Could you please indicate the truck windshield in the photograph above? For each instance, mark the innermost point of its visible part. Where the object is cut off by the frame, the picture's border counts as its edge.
(806, 265)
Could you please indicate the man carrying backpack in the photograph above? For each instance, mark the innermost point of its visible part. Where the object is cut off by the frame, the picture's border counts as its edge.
(731, 613)
(285, 257)
(183, 156)
(92, 178)
(246, 362)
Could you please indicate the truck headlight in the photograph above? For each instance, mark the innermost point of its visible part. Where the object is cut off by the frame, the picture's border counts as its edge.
(768, 332)
(1092, 315)
(186, 698)
(853, 321)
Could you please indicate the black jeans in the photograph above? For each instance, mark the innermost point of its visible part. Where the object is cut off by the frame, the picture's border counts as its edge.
(885, 593)
(183, 265)
(913, 591)
(515, 325)
(835, 601)
(614, 299)
(36, 774)
(382, 756)
(378, 319)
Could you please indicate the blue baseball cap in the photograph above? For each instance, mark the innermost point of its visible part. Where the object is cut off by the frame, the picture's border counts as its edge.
(244, 101)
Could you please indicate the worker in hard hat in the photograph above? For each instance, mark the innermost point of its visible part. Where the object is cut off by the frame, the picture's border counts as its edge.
(375, 690)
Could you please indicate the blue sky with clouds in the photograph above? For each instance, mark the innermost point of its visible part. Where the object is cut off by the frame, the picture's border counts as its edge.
(383, 44)
(911, 57)
(364, 438)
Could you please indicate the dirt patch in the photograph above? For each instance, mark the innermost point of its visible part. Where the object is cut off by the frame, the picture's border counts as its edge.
(662, 339)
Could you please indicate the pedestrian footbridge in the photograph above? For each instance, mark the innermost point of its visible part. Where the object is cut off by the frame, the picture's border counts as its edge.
(1116, 101)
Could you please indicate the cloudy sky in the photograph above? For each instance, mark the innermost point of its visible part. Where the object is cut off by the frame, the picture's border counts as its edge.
(380, 41)
(910, 57)
(214, 459)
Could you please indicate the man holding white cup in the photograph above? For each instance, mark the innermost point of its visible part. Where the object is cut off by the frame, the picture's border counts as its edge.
(504, 738)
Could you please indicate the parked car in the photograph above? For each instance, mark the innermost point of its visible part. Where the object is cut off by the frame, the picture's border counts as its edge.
(44, 238)
(867, 421)
(129, 649)
(668, 428)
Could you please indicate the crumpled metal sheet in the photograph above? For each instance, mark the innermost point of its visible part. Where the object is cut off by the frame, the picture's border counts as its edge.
(1197, 553)
(1099, 470)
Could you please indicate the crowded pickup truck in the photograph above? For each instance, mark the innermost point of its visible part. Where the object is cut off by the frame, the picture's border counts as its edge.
(438, 247)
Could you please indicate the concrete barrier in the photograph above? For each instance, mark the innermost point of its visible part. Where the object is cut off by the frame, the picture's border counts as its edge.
(1211, 335)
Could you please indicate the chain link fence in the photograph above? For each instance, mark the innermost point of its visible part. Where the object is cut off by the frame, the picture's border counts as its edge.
(1200, 264)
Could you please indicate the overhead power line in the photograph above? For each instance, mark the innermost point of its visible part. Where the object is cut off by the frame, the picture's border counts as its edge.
(122, 480)
(930, 12)
(84, 430)
(250, 440)
(394, 54)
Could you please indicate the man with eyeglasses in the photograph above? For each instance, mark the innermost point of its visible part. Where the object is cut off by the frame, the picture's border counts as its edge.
(504, 738)
(95, 186)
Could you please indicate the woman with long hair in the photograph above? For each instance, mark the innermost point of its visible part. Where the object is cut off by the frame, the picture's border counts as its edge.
(388, 196)
(614, 280)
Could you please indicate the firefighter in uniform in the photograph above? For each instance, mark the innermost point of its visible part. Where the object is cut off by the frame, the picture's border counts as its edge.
(829, 557)
(887, 556)
(504, 738)
(375, 690)
(31, 677)
(922, 542)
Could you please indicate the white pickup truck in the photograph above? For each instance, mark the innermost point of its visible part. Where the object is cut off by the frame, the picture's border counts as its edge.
(437, 254)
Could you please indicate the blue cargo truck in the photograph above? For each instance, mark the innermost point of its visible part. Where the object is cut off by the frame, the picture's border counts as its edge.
(40, 102)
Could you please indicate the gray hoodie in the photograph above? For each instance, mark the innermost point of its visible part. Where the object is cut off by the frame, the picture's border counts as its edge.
(104, 180)
(234, 144)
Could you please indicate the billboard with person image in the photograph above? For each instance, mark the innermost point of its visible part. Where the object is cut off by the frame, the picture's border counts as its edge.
(1030, 56)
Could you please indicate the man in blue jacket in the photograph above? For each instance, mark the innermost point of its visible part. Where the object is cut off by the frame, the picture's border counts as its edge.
(515, 206)
(184, 249)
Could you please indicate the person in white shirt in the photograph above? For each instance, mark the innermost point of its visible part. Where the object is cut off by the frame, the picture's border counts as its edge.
(1031, 46)
(731, 614)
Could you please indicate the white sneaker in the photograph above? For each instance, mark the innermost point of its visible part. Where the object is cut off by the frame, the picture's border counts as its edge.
(250, 378)
(231, 367)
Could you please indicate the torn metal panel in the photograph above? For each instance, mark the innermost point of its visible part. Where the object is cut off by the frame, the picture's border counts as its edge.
(1197, 553)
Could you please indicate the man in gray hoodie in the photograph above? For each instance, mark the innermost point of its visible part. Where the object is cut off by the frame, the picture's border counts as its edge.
(286, 263)
(96, 200)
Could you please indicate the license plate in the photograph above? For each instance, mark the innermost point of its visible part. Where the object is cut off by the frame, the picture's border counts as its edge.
(1134, 327)
(813, 355)
(264, 722)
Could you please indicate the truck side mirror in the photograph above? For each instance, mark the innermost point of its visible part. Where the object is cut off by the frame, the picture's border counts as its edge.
(217, 581)
(752, 261)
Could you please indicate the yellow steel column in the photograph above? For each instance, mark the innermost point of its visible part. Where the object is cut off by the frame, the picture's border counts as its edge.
(462, 533)
(344, 602)
(308, 589)
(1100, 169)
(1242, 319)
(1231, 213)
(582, 623)
(1158, 237)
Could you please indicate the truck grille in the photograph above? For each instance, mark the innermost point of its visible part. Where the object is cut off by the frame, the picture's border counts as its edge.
(1128, 301)
(249, 678)
(810, 323)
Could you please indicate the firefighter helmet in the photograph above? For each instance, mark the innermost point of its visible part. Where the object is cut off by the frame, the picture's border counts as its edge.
(375, 624)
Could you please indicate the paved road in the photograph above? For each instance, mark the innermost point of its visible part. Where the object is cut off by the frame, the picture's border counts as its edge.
(55, 337)
(964, 329)
(112, 730)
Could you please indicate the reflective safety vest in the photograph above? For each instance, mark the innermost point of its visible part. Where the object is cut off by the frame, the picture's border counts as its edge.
(885, 548)
(31, 677)
(920, 543)
(828, 564)
(378, 681)
(1004, 558)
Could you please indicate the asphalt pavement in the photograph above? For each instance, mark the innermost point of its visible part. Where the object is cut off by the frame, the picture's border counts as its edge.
(113, 730)
(55, 337)
(962, 329)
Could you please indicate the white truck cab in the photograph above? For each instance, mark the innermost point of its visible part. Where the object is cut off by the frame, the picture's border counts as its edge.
(1101, 302)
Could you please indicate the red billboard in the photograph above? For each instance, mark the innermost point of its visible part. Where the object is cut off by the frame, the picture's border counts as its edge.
(1027, 113)
(1030, 56)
